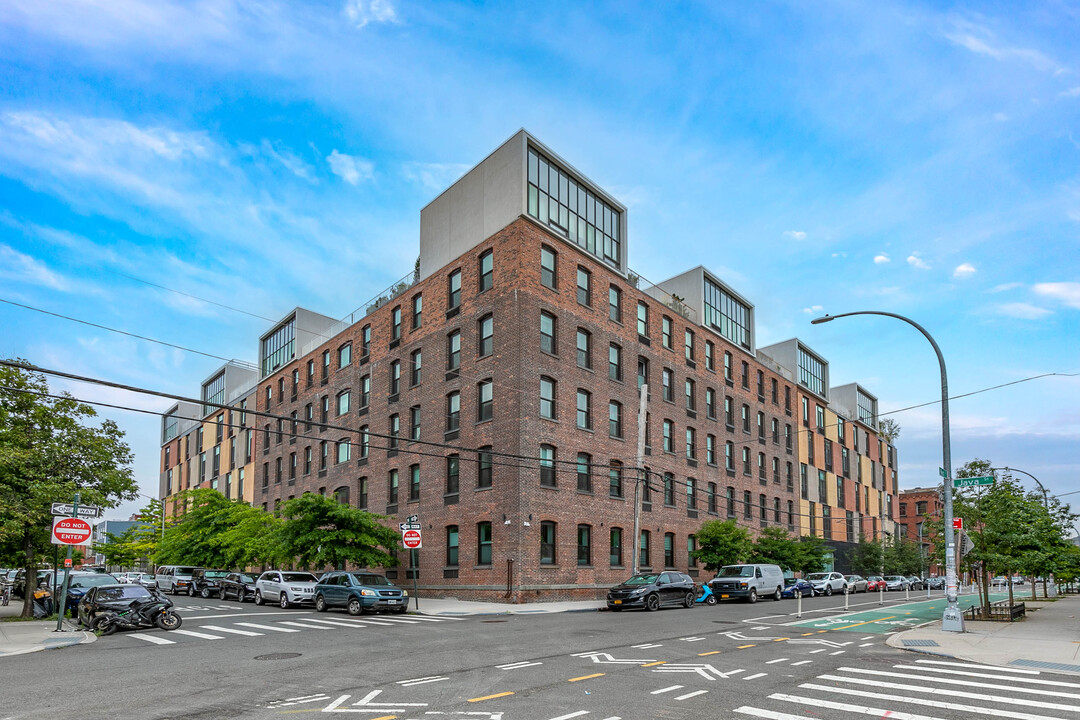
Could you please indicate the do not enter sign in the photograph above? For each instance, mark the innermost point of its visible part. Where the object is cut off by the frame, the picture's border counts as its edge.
(411, 539)
(70, 531)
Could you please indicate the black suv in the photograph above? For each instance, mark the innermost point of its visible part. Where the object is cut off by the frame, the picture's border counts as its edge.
(240, 584)
(653, 591)
(205, 583)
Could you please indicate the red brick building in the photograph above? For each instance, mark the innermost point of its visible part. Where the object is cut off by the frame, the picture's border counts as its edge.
(916, 507)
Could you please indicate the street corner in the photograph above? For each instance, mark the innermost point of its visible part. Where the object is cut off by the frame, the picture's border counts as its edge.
(20, 638)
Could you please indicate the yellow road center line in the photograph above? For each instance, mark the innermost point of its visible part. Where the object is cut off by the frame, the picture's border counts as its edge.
(491, 697)
(805, 634)
(585, 677)
(652, 664)
(713, 652)
(822, 631)
(780, 639)
(845, 627)
(743, 647)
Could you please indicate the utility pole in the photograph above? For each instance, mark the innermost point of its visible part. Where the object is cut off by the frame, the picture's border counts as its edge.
(643, 413)
(67, 574)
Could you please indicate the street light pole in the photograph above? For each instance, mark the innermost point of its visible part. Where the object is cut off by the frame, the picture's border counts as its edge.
(1046, 501)
(952, 620)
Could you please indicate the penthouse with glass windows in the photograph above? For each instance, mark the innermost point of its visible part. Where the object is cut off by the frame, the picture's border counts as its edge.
(495, 393)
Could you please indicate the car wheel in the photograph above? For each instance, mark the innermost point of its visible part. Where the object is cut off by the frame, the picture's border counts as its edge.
(205, 594)
(175, 592)
(688, 600)
(711, 600)
(752, 596)
(828, 591)
(191, 590)
(320, 603)
(240, 595)
(258, 597)
(355, 607)
(652, 603)
(401, 610)
(283, 600)
(778, 595)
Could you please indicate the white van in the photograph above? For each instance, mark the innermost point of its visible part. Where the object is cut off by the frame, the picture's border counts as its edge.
(748, 582)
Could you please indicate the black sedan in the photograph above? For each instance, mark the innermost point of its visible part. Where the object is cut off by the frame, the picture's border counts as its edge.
(653, 591)
(112, 597)
(238, 584)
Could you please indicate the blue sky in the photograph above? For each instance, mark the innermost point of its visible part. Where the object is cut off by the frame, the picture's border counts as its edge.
(916, 158)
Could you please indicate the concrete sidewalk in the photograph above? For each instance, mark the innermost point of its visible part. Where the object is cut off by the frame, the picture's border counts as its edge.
(1047, 639)
(17, 638)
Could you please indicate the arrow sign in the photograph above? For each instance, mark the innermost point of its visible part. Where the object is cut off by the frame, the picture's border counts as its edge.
(412, 519)
(408, 526)
(67, 509)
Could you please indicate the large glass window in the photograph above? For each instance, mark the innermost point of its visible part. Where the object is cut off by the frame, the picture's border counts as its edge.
(569, 208)
(213, 392)
(811, 372)
(276, 349)
(726, 314)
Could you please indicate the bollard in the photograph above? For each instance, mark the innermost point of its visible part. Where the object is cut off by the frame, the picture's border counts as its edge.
(846, 596)
(881, 593)
(798, 600)
(907, 591)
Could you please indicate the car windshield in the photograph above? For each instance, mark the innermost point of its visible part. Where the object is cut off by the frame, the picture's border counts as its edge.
(244, 577)
(216, 573)
(298, 577)
(88, 581)
(791, 581)
(184, 570)
(736, 571)
(853, 577)
(371, 579)
(125, 592)
(817, 576)
(641, 580)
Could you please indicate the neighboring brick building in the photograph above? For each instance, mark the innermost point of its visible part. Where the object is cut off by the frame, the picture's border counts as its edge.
(918, 505)
(495, 394)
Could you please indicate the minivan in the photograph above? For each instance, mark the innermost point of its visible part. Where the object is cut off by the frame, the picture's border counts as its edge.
(174, 578)
(748, 582)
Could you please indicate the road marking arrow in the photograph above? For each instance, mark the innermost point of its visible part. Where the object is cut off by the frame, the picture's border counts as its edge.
(608, 659)
(366, 705)
(704, 670)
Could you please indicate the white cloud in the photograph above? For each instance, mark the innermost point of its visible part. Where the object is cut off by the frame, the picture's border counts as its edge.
(1003, 287)
(439, 176)
(1072, 92)
(964, 270)
(17, 267)
(290, 161)
(1023, 311)
(1000, 117)
(362, 12)
(813, 309)
(917, 262)
(795, 234)
(881, 259)
(1065, 292)
(839, 254)
(981, 41)
(350, 168)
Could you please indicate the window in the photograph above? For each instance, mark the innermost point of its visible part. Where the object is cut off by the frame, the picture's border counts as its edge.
(710, 356)
(486, 336)
(761, 425)
(365, 341)
(483, 543)
(584, 409)
(665, 332)
(748, 504)
(763, 510)
(453, 290)
(727, 368)
(453, 474)
(669, 436)
(669, 550)
(416, 365)
(819, 417)
(453, 351)
(584, 472)
(547, 332)
(729, 498)
(774, 396)
(760, 385)
(804, 489)
(805, 411)
(642, 371)
(643, 319)
(615, 362)
(711, 496)
(669, 489)
(710, 449)
(325, 366)
(395, 377)
(343, 403)
(840, 492)
(746, 375)
(344, 354)
(811, 371)
(615, 479)
(615, 419)
(584, 287)
(453, 411)
(344, 450)
(365, 442)
(484, 401)
(414, 483)
(774, 425)
(414, 422)
(483, 467)
(710, 403)
(667, 381)
(762, 471)
(452, 545)
(691, 493)
(689, 345)
(394, 431)
(584, 349)
(643, 549)
(548, 274)
(324, 454)
(726, 314)
(310, 373)
(729, 413)
(547, 397)
(690, 404)
(615, 545)
(584, 545)
(307, 460)
(365, 391)
(691, 548)
(776, 471)
(324, 412)
(691, 444)
(417, 311)
(745, 413)
(615, 304)
(790, 513)
(746, 461)
(487, 265)
(392, 488)
(395, 324)
(547, 465)
(547, 543)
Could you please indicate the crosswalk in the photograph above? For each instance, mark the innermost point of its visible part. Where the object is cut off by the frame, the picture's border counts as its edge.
(247, 629)
(925, 690)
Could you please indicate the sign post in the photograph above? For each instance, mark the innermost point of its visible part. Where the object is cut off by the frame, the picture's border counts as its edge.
(412, 538)
(75, 531)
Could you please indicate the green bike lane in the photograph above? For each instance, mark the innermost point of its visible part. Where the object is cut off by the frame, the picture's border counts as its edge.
(891, 618)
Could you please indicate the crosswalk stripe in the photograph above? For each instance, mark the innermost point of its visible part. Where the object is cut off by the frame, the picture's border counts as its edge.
(266, 627)
(303, 625)
(399, 620)
(156, 639)
(379, 622)
(667, 689)
(963, 683)
(771, 662)
(689, 695)
(1037, 681)
(802, 662)
(234, 631)
(192, 633)
(425, 618)
(995, 712)
(768, 714)
(753, 677)
(873, 712)
(969, 666)
(339, 623)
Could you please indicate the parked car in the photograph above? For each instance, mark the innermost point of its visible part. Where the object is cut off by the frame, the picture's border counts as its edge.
(875, 583)
(116, 597)
(359, 591)
(240, 584)
(81, 582)
(896, 582)
(286, 588)
(749, 582)
(856, 583)
(915, 583)
(935, 583)
(805, 587)
(147, 580)
(206, 583)
(174, 578)
(826, 583)
(653, 591)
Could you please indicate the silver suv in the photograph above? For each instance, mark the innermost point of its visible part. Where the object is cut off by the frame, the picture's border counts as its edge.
(286, 588)
(826, 583)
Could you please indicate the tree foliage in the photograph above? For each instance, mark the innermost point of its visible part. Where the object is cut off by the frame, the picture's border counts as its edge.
(722, 543)
(321, 532)
(216, 532)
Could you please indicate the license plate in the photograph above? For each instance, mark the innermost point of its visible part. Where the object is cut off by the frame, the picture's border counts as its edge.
(724, 597)
(391, 602)
(616, 602)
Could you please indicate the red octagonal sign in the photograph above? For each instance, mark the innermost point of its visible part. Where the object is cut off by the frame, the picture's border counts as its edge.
(70, 531)
(411, 539)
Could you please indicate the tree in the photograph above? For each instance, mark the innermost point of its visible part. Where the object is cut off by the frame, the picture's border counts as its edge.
(903, 557)
(812, 552)
(889, 429)
(866, 558)
(777, 547)
(722, 543)
(119, 550)
(320, 531)
(48, 452)
(217, 532)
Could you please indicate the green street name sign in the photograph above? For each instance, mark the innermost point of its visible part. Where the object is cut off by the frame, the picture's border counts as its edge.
(970, 482)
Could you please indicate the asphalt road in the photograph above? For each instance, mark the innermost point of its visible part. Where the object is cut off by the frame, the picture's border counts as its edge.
(734, 660)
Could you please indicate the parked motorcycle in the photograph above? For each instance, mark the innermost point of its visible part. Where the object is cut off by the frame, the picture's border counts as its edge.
(140, 614)
(705, 595)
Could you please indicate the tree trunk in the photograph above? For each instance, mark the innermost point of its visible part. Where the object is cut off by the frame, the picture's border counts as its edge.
(1045, 595)
(29, 576)
(986, 585)
(1008, 579)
